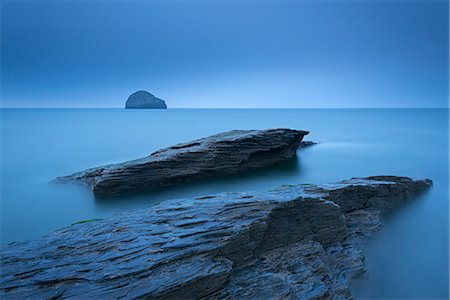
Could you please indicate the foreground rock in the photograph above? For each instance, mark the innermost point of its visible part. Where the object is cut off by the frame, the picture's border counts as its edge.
(143, 99)
(295, 242)
(217, 155)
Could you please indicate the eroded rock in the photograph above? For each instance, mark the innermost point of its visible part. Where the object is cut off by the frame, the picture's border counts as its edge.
(143, 99)
(217, 155)
(294, 242)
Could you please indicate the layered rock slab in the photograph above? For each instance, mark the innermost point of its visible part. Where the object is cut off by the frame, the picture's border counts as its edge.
(217, 155)
(295, 242)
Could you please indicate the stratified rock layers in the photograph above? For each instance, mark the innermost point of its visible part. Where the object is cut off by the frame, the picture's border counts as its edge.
(295, 242)
(217, 155)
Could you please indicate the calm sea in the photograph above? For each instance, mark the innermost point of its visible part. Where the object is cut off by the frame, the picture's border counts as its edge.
(407, 259)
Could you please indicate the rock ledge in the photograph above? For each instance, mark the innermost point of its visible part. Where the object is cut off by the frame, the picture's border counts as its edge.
(222, 154)
(294, 242)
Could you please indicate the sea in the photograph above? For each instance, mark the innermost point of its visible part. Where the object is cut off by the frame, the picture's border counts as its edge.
(407, 259)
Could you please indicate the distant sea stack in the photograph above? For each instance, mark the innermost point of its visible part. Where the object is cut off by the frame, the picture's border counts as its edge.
(143, 99)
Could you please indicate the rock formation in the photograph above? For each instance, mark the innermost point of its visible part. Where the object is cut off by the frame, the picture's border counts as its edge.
(143, 99)
(217, 155)
(294, 242)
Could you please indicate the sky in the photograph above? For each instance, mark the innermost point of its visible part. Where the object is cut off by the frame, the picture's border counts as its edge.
(226, 54)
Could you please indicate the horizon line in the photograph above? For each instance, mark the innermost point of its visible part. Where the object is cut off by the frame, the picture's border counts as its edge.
(385, 107)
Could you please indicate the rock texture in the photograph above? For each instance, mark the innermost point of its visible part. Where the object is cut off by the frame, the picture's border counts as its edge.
(143, 99)
(294, 242)
(217, 155)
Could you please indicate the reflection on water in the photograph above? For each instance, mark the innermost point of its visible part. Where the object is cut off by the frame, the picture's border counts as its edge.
(407, 259)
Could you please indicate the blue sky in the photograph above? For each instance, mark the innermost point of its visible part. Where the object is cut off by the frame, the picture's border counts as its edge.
(257, 54)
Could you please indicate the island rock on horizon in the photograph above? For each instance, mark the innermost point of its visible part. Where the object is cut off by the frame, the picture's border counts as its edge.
(143, 99)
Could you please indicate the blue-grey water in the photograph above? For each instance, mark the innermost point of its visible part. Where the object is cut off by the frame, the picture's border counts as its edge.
(407, 259)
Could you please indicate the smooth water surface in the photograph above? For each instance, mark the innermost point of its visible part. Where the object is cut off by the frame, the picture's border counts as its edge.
(407, 259)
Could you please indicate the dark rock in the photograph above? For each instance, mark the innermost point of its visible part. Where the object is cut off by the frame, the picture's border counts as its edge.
(217, 155)
(143, 99)
(305, 144)
(294, 242)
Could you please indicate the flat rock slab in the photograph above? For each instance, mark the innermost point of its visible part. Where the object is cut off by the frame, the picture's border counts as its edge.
(294, 242)
(217, 155)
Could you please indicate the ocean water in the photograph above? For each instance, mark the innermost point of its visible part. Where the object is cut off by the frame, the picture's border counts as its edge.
(407, 259)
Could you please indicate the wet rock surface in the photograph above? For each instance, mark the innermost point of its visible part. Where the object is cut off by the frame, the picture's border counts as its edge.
(294, 242)
(143, 99)
(217, 155)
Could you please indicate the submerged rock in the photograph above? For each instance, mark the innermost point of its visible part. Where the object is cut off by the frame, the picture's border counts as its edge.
(294, 242)
(306, 144)
(143, 99)
(217, 155)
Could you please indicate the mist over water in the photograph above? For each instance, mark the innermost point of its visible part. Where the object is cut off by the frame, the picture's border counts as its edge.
(407, 259)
